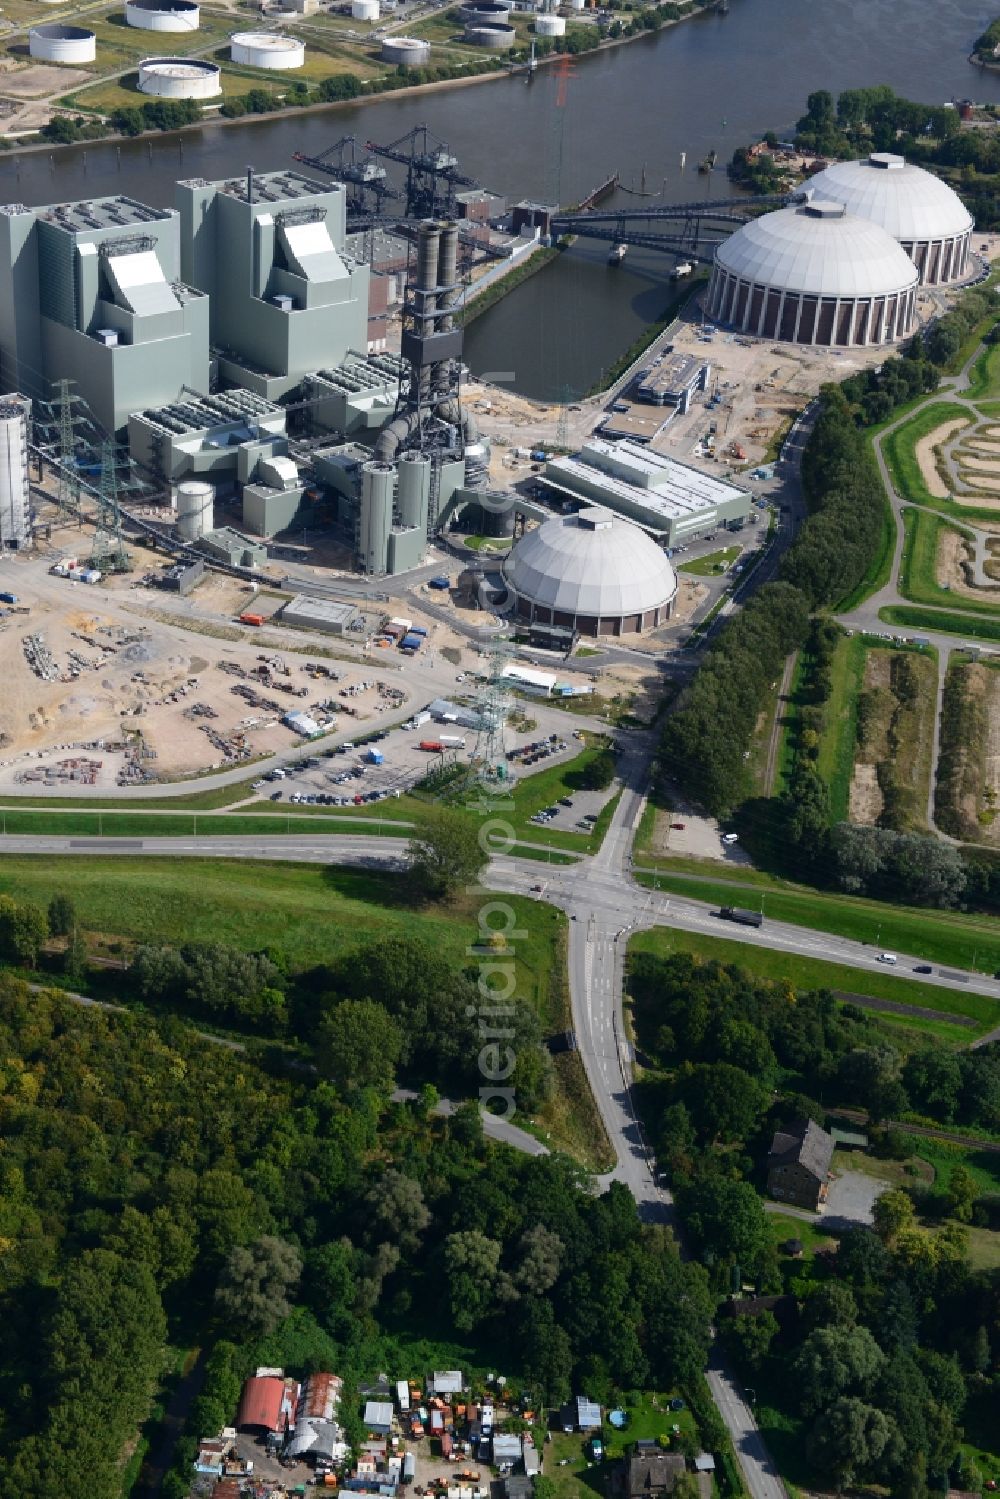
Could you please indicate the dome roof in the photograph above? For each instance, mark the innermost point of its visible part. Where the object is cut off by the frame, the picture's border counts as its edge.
(593, 563)
(816, 248)
(904, 200)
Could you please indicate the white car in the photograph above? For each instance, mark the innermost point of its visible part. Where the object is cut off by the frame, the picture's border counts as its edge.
(730, 838)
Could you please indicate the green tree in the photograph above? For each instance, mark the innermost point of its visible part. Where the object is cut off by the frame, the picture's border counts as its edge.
(596, 773)
(445, 854)
(256, 1284)
(359, 1044)
(471, 1262)
(726, 1218)
(395, 1209)
(23, 929)
(892, 1215)
(848, 1439)
(962, 1194)
(750, 1338)
(62, 915)
(834, 1361)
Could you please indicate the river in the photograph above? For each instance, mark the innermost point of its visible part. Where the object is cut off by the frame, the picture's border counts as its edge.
(714, 82)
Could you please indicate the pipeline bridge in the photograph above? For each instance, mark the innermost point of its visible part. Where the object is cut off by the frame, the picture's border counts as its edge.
(690, 230)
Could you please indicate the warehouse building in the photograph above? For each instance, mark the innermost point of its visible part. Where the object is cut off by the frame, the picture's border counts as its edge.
(219, 437)
(231, 547)
(590, 574)
(331, 616)
(673, 380)
(672, 501)
(92, 292)
(286, 298)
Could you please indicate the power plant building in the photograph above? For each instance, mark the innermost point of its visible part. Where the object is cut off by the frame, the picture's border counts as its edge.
(924, 215)
(672, 501)
(92, 292)
(286, 298)
(813, 273)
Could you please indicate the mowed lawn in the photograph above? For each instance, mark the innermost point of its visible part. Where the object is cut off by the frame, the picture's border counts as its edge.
(816, 973)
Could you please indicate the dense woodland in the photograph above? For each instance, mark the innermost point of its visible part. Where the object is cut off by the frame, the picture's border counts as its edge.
(893, 1344)
(154, 1185)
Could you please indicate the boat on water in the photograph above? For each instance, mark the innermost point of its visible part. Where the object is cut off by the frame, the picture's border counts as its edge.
(706, 166)
(617, 255)
(680, 271)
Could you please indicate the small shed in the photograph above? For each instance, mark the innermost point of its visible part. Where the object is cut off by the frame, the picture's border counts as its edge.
(506, 1450)
(378, 1417)
(588, 1414)
(446, 1382)
(704, 1463)
(846, 1138)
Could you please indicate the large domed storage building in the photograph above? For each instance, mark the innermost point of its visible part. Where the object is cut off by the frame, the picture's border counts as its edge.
(813, 273)
(922, 213)
(591, 572)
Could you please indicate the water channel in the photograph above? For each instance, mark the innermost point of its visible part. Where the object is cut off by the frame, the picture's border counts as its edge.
(713, 82)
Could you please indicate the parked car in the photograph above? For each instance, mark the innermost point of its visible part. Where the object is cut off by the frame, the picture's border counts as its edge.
(678, 827)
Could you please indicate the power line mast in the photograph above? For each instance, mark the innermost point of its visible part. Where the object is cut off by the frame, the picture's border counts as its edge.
(108, 552)
(493, 707)
(69, 485)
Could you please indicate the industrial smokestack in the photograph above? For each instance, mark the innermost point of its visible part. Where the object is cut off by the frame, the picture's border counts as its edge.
(447, 296)
(249, 184)
(425, 298)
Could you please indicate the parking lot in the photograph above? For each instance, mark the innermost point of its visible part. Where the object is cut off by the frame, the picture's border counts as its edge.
(851, 1198)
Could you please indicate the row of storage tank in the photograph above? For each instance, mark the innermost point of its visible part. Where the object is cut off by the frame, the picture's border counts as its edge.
(171, 77)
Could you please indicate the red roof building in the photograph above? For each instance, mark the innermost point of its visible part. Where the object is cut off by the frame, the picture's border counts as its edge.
(267, 1404)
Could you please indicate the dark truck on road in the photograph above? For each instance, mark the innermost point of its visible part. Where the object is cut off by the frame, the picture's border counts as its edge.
(744, 918)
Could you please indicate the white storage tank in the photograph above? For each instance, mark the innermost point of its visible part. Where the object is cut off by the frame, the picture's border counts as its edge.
(577, 5)
(163, 15)
(59, 42)
(495, 36)
(179, 78)
(365, 10)
(406, 51)
(550, 25)
(195, 509)
(266, 49)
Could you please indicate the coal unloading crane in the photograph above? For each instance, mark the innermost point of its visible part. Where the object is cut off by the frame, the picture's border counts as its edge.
(432, 174)
(366, 180)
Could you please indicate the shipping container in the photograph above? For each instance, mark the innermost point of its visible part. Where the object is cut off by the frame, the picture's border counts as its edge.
(418, 630)
(8, 598)
(411, 642)
(742, 917)
(375, 757)
(422, 717)
(438, 583)
(404, 624)
(403, 1395)
(252, 619)
(409, 1467)
(452, 741)
(446, 1444)
(431, 745)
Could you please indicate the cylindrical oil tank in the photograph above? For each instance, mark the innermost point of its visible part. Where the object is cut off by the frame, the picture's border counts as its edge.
(179, 78)
(406, 51)
(578, 5)
(266, 49)
(195, 509)
(414, 489)
(365, 10)
(377, 482)
(15, 525)
(495, 36)
(58, 42)
(550, 25)
(163, 15)
(485, 11)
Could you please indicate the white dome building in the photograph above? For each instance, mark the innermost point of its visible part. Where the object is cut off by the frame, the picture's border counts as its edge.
(922, 213)
(591, 572)
(814, 274)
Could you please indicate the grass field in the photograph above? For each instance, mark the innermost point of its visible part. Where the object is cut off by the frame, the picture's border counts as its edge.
(835, 762)
(947, 621)
(120, 824)
(715, 562)
(879, 569)
(935, 935)
(918, 571)
(984, 376)
(211, 799)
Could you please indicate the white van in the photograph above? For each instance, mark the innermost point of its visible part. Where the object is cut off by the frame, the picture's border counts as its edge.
(888, 957)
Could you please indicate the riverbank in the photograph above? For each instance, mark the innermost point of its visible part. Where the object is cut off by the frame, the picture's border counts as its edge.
(74, 106)
(534, 262)
(635, 351)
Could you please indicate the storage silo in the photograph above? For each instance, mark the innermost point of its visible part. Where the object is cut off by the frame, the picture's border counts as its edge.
(179, 78)
(163, 15)
(365, 10)
(414, 490)
(266, 49)
(57, 42)
(195, 509)
(493, 36)
(377, 481)
(406, 51)
(15, 517)
(550, 25)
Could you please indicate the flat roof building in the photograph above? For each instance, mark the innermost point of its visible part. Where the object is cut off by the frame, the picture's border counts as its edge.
(673, 381)
(286, 298)
(92, 292)
(329, 615)
(671, 500)
(233, 548)
(219, 436)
